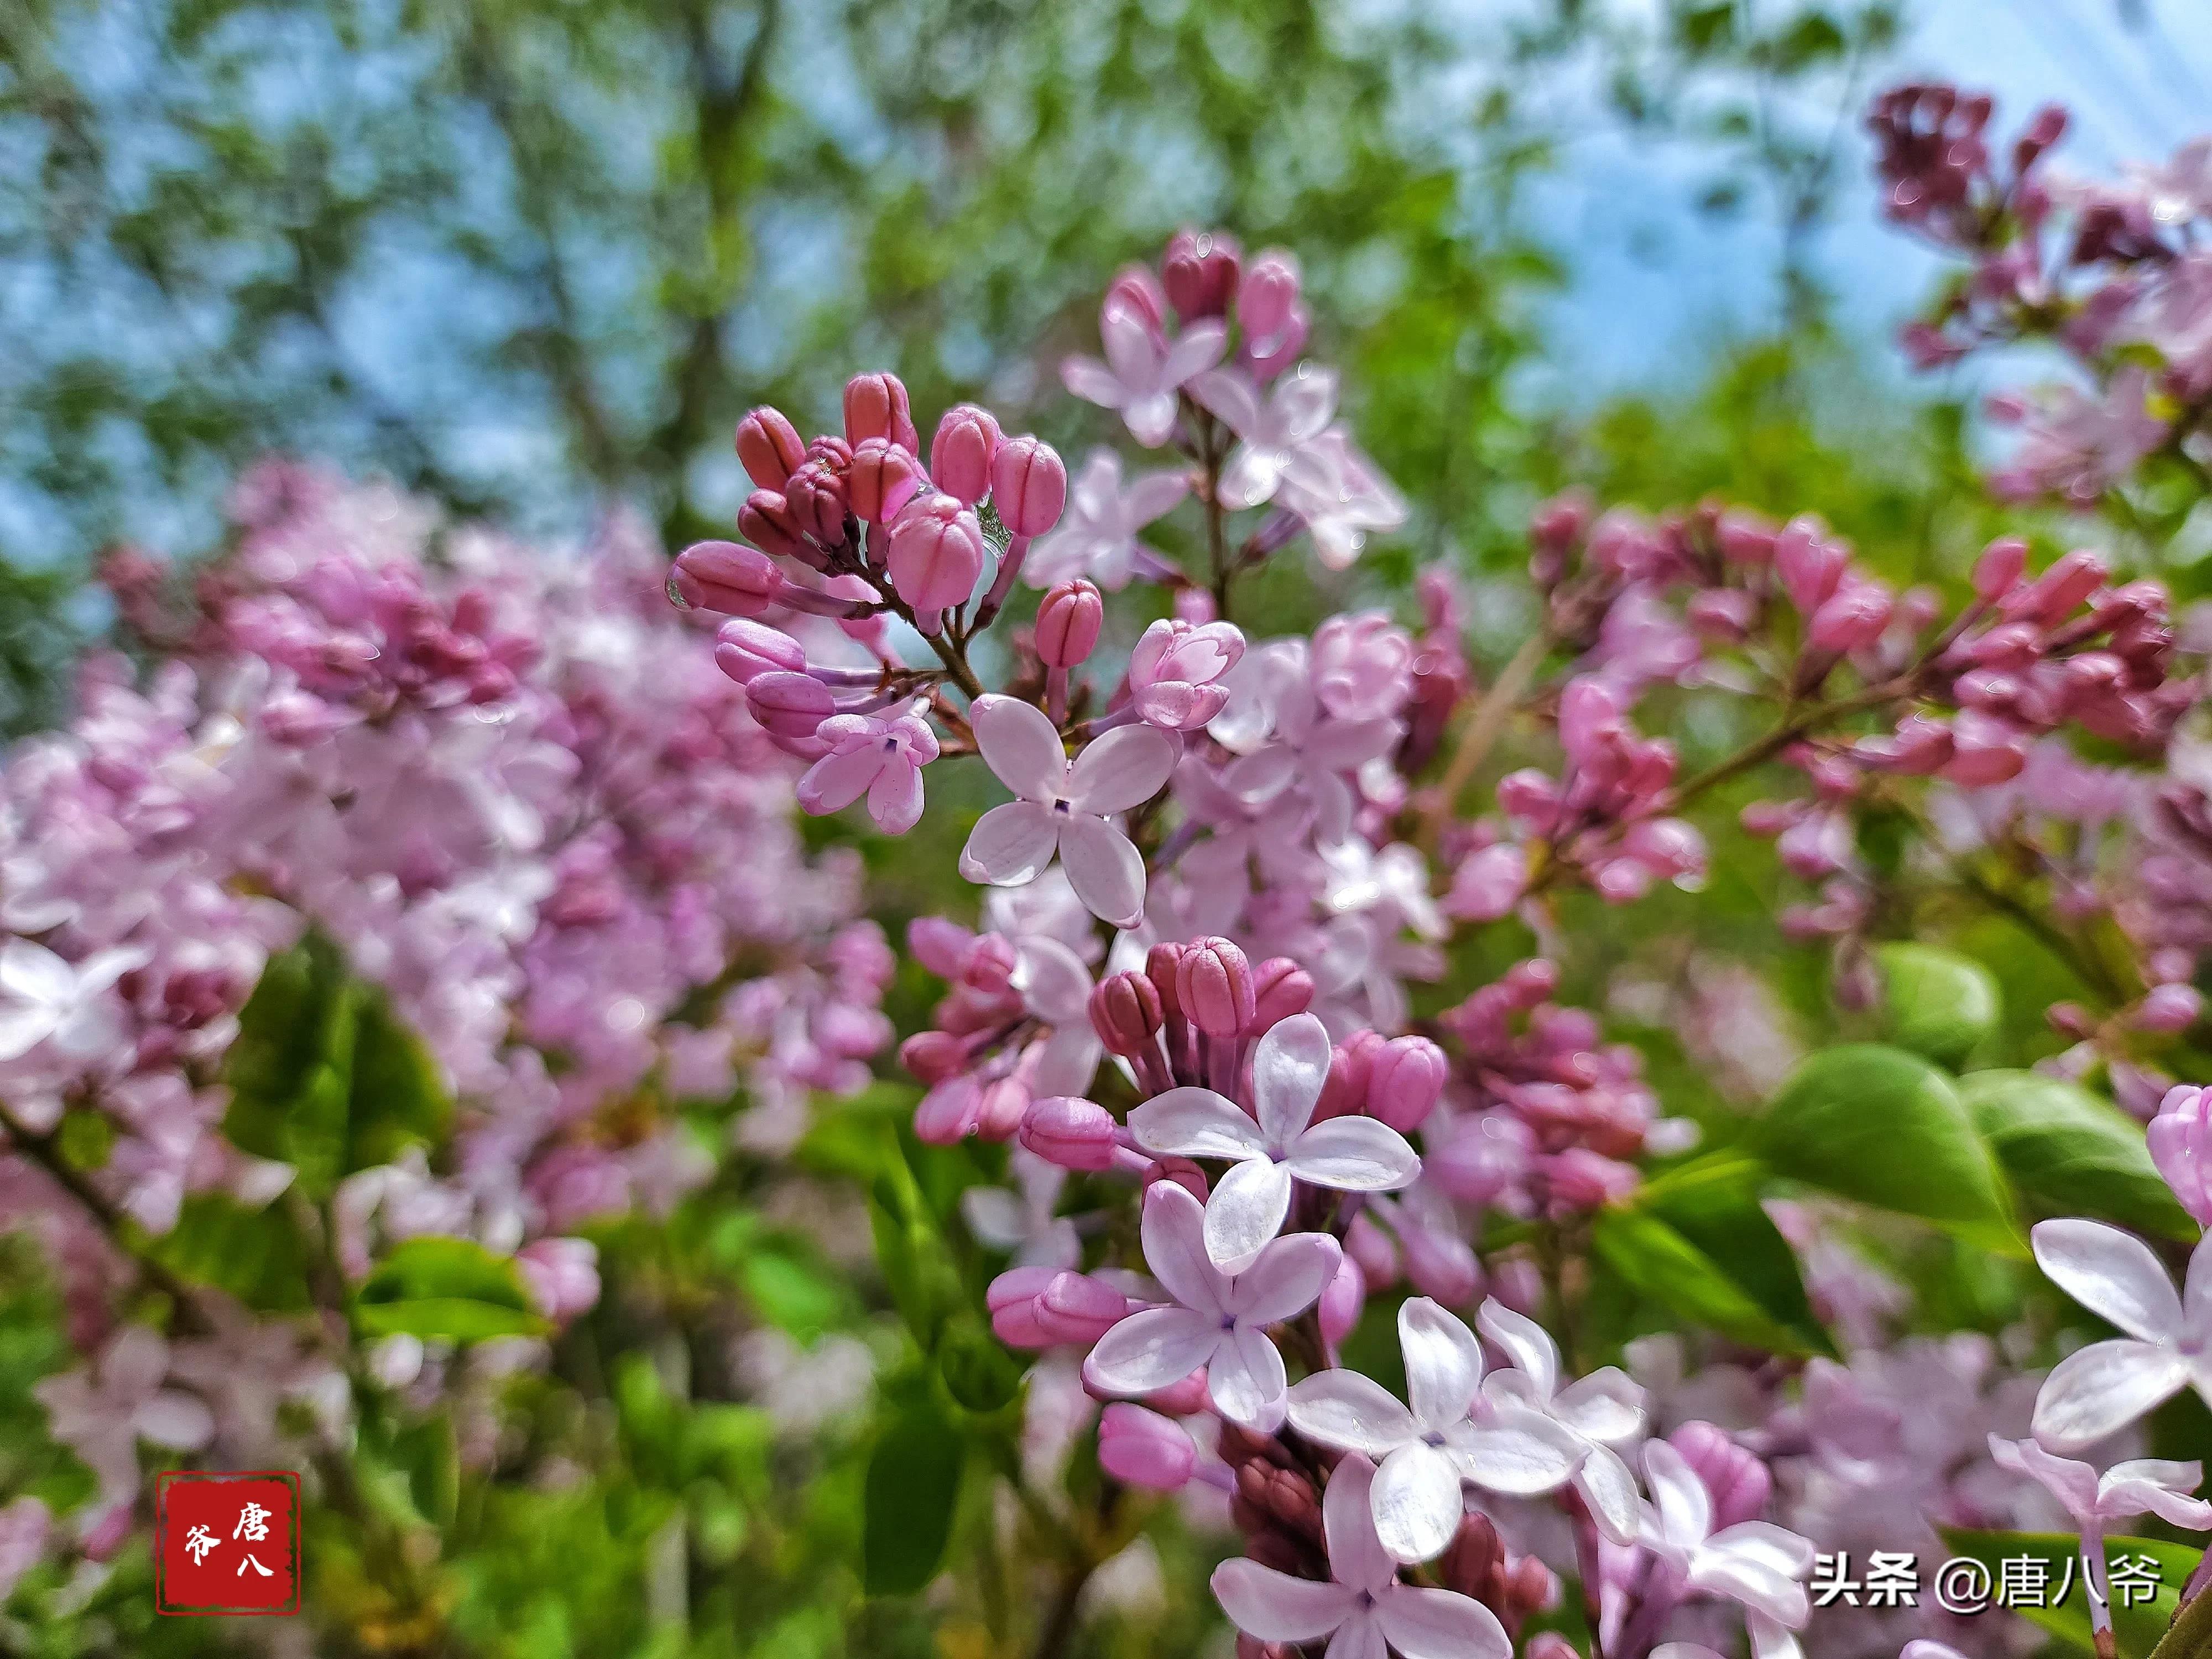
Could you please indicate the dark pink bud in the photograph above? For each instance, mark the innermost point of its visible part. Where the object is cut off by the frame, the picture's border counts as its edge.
(1343, 1302)
(1350, 1069)
(769, 448)
(1012, 1300)
(1005, 1103)
(1985, 751)
(940, 944)
(1745, 538)
(791, 706)
(1268, 296)
(1669, 848)
(960, 454)
(1373, 1249)
(743, 648)
(1200, 273)
(1851, 619)
(767, 521)
(1135, 288)
(1182, 1171)
(1078, 1308)
(1067, 624)
(1214, 987)
(989, 966)
(2167, 1009)
(1998, 572)
(1184, 1399)
(1028, 485)
(1161, 962)
(1721, 613)
(884, 478)
(725, 576)
(1405, 1081)
(1076, 1134)
(1126, 1013)
(817, 496)
(875, 407)
(1739, 1482)
(932, 1056)
(1808, 563)
(1142, 1448)
(1279, 988)
(948, 1113)
(831, 450)
(2071, 578)
(936, 553)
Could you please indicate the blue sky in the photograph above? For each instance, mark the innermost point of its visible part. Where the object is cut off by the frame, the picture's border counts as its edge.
(1656, 283)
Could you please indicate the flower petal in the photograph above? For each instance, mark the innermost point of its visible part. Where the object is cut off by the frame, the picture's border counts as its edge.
(1150, 417)
(836, 781)
(1607, 1406)
(1124, 768)
(1443, 1362)
(1290, 1063)
(1351, 1412)
(1195, 1122)
(1149, 495)
(1608, 1486)
(2103, 1387)
(1273, 1607)
(1288, 1279)
(1011, 844)
(2159, 1487)
(1360, 1636)
(1173, 1233)
(1091, 380)
(1246, 1381)
(1196, 348)
(1066, 1063)
(1417, 1502)
(1151, 1350)
(1020, 746)
(1440, 1623)
(1527, 1344)
(895, 798)
(1106, 871)
(1356, 1555)
(1054, 984)
(1305, 402)
(2111, 1273)
(1353, 1155)
(1246, 1210)
(1518, 1452)
(1686, 1508)
(2072, 1482)
(1229, 394)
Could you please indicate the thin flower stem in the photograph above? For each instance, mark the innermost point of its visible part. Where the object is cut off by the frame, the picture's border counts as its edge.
(1791, 731)
(1481, 733)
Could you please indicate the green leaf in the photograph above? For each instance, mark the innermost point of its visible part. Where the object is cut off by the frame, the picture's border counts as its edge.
(1884, 1127)
(1714, 1204)
(452, 1289)
(790, 1293)
(913, 1486)
(256, 1255)
(979, 1373)
(1658, 1262)
(397, 1099)
(1936, 1002)
(2138, 1627)
(2070, 1153)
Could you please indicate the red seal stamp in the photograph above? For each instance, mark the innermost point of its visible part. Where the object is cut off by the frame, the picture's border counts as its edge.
(227, 1543)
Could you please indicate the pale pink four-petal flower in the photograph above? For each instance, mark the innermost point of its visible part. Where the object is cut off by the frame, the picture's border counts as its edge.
(2140, 1486)
(2167, 1347)
(1178, 674)
(1603, 1410)
(880, 756)
(1143, 373)
(1289, 1065)
(1365, 1610)
(1273, 427)
(1097, 539)
(1425, 1451)
(1064, 809)
(1755, 1564)
(1218, 1320)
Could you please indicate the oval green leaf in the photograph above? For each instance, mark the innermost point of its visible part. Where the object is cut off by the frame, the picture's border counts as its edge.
(1886, 1129)
(2138, 1626)
(2070, 1153)
(913, 1487)
(1936, 1002)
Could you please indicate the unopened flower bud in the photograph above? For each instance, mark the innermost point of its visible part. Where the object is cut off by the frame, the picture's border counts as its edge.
(1350, 1069)
(817, 498)
(1126, 1013)
(2181, 1146)
(1185, 1398)
(1214, 987)
(1067, 624)
(1200, 273)
(1268, 296)
(1076, 1308)
(1405, 1081)
(960, 454)
(789, 706)
(767, 521)
(1851, 618)
(1073, 1132)
(1985, 751)
(1012, 1302)
(1028, 485)
(1744, 539)
(1135, 288)
(1141, 1447)
(725, 576)
(1998, 572)
(883, 478)
(875, 407)
(1160, 964)
(2072, 578)
(948, 1112)
(2167, 1009)
(769, 448)
(1342, 1301)
(930, 1057)
(1005, 1103)
(1182, 1171)
(743, 648)
(1374, 1250)
(1279, 988)
(936, 553)
(1739, 1482)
